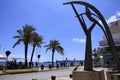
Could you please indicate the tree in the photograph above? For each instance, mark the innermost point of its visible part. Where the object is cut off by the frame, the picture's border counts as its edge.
(101, 50)
(97, 52)
(54, 45)
(37, 40)
(25, 36)
(96, 55)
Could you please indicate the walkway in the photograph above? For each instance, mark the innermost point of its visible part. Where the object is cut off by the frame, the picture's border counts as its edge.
(45, 75)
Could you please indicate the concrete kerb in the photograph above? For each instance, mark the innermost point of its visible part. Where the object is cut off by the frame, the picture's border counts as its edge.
(39, 70)
(53, 69)
(62, 78)
(1, 73)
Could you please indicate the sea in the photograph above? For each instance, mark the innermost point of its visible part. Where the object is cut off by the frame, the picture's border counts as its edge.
(47, 63)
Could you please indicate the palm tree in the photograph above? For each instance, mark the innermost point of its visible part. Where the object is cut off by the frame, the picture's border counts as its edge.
(54, 45)
(36, 41)
(25, 36)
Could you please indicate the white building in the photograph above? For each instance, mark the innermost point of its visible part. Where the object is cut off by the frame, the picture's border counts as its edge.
(115, 31)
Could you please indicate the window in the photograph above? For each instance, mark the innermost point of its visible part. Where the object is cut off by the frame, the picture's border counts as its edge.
(116, 23)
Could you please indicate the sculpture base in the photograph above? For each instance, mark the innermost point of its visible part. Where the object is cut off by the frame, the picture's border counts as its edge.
(89, 75)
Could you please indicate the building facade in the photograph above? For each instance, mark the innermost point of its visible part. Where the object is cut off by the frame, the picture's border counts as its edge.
(115, 31)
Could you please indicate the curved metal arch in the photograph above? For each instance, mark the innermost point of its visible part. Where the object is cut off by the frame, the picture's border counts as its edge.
(98, 25)
(105, 29)
(95, 21)
(94, 9)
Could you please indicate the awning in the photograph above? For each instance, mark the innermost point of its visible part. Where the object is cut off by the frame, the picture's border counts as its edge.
(2, 57)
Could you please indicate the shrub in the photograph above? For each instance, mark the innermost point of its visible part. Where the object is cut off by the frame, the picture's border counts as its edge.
(42, 67)
(18, 71)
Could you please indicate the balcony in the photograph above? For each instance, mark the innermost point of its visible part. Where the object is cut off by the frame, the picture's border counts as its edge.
(105, 43)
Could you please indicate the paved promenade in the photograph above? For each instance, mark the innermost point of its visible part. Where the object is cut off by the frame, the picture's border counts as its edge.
(62, 74)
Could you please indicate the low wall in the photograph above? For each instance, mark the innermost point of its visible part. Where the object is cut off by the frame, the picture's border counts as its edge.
(89, 75)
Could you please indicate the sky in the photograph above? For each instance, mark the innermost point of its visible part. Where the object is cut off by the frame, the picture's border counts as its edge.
(52, 20)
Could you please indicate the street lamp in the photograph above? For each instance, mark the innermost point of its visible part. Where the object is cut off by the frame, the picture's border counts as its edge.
(38, 59)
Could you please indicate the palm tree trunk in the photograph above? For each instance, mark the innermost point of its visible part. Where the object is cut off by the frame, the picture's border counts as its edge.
(32, 56)
(88, 54)
(26, 49)
(53, 58)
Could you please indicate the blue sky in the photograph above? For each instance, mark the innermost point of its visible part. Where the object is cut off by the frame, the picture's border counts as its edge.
(53, 21)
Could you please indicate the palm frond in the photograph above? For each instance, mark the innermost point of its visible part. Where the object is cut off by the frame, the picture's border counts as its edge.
(16, 36)
(48, 49)
(18, 42)
(60, 50)
(46, 46)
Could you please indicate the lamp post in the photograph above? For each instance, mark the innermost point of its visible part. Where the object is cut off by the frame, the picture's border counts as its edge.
(101, 61)
(7, 54)
(38, 59)
(66, 61)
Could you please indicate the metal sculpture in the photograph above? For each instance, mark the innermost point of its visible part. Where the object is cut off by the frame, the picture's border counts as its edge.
(88, 53)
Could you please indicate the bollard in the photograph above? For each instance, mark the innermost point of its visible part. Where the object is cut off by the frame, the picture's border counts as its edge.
(53, 77)
(70, 75)
(34, 79)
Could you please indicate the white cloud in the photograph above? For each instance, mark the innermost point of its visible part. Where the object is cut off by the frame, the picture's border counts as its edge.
(79, 40)
(118, 13)
(112, 19)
